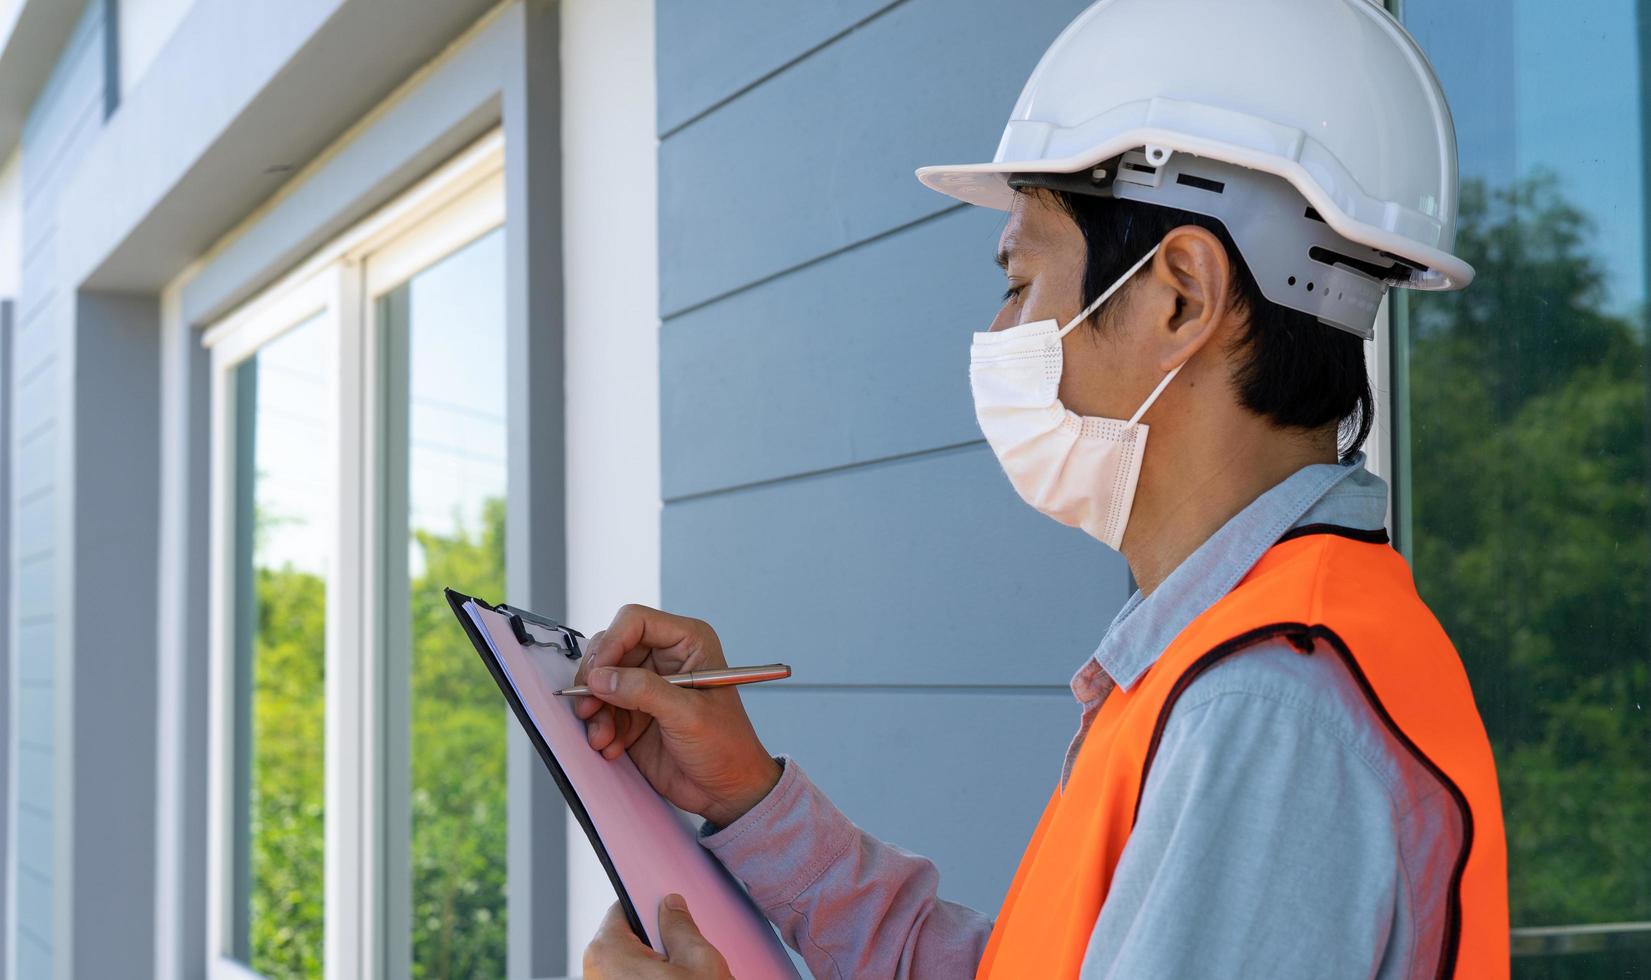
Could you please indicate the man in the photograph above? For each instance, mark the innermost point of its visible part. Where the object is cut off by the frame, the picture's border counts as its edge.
(1279, 769)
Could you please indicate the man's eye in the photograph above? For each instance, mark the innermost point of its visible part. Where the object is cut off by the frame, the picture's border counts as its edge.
(1012, 292)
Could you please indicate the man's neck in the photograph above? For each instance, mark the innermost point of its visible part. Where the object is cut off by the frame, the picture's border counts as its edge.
(1179, 505)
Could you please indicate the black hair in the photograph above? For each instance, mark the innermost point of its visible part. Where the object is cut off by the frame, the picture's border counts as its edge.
(1298, 372)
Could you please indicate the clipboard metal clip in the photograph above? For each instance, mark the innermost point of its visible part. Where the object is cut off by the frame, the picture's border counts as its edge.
(519, 620)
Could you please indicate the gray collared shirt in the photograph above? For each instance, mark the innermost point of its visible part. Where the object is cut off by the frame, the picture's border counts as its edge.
(1282, 831)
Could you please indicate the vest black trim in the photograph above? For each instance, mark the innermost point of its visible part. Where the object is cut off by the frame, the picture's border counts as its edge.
(1303, 637)
(1371, 536)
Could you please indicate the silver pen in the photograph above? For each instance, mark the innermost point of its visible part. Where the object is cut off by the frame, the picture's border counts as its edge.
(720, 677)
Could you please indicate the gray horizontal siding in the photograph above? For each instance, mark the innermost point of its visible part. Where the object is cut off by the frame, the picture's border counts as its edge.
(909, 771)
(33, 956)
(67, 114)
(36, 406)
(35, 263)
(828, 499)
(820, 156)
(34, 783)
(34, 716)
(34, 589)
(838, 363)
(927, 570)
(33, 890)
(75, 83)
(33, 346)
(35, 837)
(32, 528)
(712, 49)
(34, 833)
(36, 665)
(34, 469)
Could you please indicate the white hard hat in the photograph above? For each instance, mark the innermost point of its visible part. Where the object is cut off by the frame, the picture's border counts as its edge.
(1331, 96)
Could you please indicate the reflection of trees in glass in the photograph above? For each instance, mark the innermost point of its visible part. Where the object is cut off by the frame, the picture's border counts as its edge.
(288, 791)
(1528, 419)
(458, 806)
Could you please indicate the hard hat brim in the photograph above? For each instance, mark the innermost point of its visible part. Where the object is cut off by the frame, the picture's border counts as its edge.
(986, 185)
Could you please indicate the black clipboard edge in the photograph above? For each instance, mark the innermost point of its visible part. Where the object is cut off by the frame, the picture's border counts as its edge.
(457, 600)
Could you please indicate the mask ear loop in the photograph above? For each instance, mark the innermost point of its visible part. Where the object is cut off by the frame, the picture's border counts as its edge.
(1133, 419)
(1092, 307)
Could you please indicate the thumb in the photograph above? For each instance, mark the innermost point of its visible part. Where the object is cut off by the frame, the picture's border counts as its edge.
(685, 945)
(643, 690)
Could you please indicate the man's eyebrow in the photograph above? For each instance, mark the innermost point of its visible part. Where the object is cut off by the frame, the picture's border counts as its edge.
(1014, 246)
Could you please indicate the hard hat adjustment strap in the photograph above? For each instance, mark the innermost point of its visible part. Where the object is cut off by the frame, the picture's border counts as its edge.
(1095, 181)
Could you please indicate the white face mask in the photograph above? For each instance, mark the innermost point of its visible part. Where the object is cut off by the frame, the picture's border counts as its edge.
(1080, 471)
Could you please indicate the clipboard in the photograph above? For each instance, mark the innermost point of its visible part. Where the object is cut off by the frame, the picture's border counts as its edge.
(649, 850)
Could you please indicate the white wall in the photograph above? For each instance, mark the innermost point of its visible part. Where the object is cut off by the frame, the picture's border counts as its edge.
(145, 27)
(611, 245)
(11, 224)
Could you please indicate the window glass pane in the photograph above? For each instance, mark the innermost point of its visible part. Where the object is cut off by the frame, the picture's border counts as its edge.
(445, 343)
(1522, 449)
(282, 556)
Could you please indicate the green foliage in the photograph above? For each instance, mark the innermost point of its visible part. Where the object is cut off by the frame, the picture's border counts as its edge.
(1529, 474)
(458, 769)
(458, 841)
(288, 791)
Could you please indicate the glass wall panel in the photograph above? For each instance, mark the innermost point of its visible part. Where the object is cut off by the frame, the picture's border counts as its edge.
(445, 484)
(1521, 454)
(283, 520)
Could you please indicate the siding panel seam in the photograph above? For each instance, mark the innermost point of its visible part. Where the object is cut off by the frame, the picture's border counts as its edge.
(48, 189)
(760, 80)
(861, 464)
(665, 319)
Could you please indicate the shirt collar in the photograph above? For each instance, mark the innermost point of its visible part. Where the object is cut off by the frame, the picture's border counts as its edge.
(1321, 493)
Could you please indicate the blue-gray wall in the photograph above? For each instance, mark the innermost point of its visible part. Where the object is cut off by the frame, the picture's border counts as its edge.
(64, 119)
(828, 500)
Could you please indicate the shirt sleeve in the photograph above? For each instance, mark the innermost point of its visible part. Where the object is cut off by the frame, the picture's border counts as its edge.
(850, 904)
(1265, 846)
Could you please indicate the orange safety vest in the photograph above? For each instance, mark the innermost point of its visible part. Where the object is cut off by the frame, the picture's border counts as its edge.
(1354, 595)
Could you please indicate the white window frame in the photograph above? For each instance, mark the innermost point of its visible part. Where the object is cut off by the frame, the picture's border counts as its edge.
(456, 204)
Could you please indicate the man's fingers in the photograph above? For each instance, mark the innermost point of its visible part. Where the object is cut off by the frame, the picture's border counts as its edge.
(677, 928)
(629, 726)
(592, 643)
(616, 952)
(614, 924)
(584, 707)
(634, 631)
(599, 730)
(685, 945)
(641, 689)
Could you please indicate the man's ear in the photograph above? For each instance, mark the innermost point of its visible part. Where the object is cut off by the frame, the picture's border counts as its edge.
(1193, 267)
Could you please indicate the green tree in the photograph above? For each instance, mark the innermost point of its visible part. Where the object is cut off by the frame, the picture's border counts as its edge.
(458, 805)
(288, 772)
(1528, 404)
(459, 800)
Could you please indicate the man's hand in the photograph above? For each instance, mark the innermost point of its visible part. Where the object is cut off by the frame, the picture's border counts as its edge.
(696, 746)
(615, 952)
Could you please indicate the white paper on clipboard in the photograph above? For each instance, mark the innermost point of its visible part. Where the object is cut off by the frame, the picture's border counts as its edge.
(652, 848)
